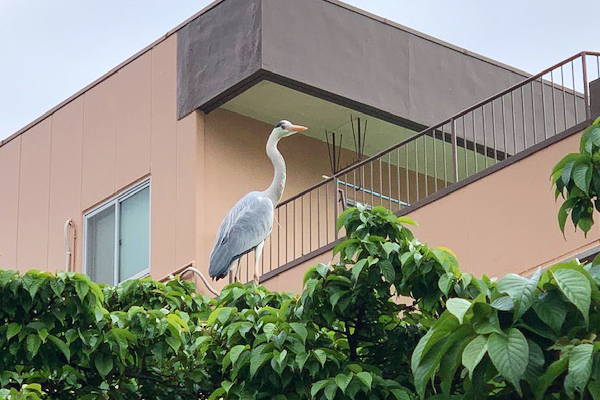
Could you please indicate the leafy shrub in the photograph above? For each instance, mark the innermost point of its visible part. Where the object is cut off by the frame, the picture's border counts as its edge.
(393, 319)
(577, 178)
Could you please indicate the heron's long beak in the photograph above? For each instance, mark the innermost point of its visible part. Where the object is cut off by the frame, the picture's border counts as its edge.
(296, 128)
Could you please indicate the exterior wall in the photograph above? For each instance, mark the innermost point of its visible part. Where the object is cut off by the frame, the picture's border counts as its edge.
(116, 133)
(505, 222)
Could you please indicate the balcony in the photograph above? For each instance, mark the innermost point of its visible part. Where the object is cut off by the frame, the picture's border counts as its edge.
(405, 170)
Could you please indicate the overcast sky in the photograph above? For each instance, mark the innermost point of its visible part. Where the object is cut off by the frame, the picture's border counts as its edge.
(49, 49)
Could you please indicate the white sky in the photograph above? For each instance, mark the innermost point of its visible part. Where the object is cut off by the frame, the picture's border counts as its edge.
(49, 49)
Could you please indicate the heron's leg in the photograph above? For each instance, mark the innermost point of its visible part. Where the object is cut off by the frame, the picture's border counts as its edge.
(257, 254)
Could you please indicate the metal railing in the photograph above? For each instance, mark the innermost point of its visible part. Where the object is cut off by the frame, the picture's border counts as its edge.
(409, 172)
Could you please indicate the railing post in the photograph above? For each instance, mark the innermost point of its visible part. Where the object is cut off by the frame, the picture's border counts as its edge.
(454, 151)
(586, 94)
(336, 196)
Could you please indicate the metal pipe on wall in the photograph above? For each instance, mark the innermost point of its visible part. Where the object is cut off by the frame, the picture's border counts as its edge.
(69, 244)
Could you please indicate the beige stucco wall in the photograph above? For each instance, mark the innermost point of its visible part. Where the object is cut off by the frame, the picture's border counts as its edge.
(118, 132)
(504, 222)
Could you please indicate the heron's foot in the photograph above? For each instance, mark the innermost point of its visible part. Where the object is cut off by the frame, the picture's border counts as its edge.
(256, 279)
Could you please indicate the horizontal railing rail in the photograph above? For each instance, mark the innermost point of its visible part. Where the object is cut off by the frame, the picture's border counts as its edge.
(474, 139)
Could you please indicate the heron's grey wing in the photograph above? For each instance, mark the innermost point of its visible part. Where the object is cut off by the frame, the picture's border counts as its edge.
(247, 224)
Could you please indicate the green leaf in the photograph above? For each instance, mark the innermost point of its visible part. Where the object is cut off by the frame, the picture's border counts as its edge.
(580, 366)
(458, 307)
(504, 303)
(582, 176)
(406, 220)
(554, 371)
(220, 314)
(300, 330)
(13, 329)
(520, 289)
(389, 247)
(474, 353)
(445, 282)
(62, 346)
(510, 355)
(535, 366)
(366, 378)
(322, 269)
(446, 259)
(566, 175)
(576, 287)
(387, 269)
(321, 356)
(330, 391)
(551, 310)
(257, 360)
(103, 363)
(357, 268)
(343, 380)
(82, 288)
(33, 343)
(317, 386)
(235, 352)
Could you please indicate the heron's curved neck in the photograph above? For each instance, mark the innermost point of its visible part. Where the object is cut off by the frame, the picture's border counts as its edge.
(275, 191)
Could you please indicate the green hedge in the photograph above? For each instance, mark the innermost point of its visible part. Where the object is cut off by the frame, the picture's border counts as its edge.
(347, 336)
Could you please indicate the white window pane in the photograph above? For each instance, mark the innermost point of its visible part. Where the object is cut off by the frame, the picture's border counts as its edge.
(134, 234)
(100, 246)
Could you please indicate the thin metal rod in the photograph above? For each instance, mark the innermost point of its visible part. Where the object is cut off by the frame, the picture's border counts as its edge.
(543, 108)
(454, 151)
(574, 92)
(474, 141)
(553, 102)
(425, 163)
(485, 149)
(514, 125)
(494, 133)
(417, 174)
(435, 180)
(380, 182)
(286, 234)
(390, 177)
(335, 207)
(407, 176)
(294, 223)
(310, 221)
(533, 113)
(302, 225)
(318, 217)
(398, 173)
(504, 128)
(564, 102)
(464, 131)
(444, 156)
(523, 120)
(586, 94)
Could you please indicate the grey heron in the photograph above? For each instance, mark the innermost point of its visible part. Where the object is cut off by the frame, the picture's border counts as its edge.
(250, 221)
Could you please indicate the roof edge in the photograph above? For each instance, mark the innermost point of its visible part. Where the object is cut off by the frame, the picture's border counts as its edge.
(212, 5)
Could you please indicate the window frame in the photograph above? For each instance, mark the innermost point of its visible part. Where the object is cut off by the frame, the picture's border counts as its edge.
(115, 201)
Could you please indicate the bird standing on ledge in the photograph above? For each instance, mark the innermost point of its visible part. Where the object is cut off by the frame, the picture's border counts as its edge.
(250, 221)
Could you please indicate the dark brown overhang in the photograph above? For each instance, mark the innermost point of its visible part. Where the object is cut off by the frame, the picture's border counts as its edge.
(331, 50)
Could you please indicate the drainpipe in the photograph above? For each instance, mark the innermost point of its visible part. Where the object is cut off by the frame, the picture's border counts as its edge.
(69, 225)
